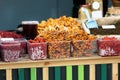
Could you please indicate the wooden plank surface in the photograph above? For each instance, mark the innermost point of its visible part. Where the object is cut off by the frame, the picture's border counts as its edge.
(33, 75)
(27, 63)
(92, 72)
(45, 73)
(115, 71)
(9, 74)
(68, 72)
(91, 61)
(57, 73)
(21, 74)
(81, 72)
(104, 72)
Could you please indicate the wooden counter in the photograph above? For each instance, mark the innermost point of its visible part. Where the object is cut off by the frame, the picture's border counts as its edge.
(45, 64)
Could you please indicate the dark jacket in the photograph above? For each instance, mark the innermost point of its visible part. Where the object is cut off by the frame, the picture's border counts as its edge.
(78, 3)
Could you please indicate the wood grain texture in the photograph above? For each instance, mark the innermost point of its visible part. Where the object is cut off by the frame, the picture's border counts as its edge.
(114, 71)
(9, 74)
(27, 63)
(92, 72)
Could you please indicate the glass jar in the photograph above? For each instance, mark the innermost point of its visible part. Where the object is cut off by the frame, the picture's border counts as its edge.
(81, 14)
(29, 29)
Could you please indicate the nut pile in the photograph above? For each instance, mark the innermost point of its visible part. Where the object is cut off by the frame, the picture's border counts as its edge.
(59, 49)
(63, 28)
(60, 30)
(82, 48)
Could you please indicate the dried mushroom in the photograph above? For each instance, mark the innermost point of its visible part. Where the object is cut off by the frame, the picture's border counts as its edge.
(63, 28)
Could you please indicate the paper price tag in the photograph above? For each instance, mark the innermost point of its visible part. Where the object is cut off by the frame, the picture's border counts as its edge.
(7, 39)
(108, 26)
(96, 14)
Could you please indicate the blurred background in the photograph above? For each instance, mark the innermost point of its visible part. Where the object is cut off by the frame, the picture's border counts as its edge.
(12, 12)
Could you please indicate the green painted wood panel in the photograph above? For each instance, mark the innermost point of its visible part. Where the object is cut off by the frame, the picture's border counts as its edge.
(21, 74)
(103, 71)
(51, 73)
(81, 72)
(68, 72)
(33, 74)
(63, 72)
(98, 71)
(57, 73)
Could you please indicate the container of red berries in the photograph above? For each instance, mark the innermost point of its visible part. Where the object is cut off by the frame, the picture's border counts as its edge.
(37, 49)
(10, 51)
(109, 46)
(23, 43)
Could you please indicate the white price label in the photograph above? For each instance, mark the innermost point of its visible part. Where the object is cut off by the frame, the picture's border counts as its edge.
(108, 26)
(7, 39)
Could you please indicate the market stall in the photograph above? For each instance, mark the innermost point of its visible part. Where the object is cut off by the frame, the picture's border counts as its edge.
(86, 47)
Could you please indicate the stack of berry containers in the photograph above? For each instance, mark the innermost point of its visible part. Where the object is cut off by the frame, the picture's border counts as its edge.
(109, 46)
(37, 49)
(10, 50)
(23, 43)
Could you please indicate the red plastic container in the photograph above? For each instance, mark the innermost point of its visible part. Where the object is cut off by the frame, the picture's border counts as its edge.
(23, 43)
(109, 47)
(37, 51)
(10, 51)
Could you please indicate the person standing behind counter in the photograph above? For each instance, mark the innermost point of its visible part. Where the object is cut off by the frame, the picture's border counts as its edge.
(78, 3)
